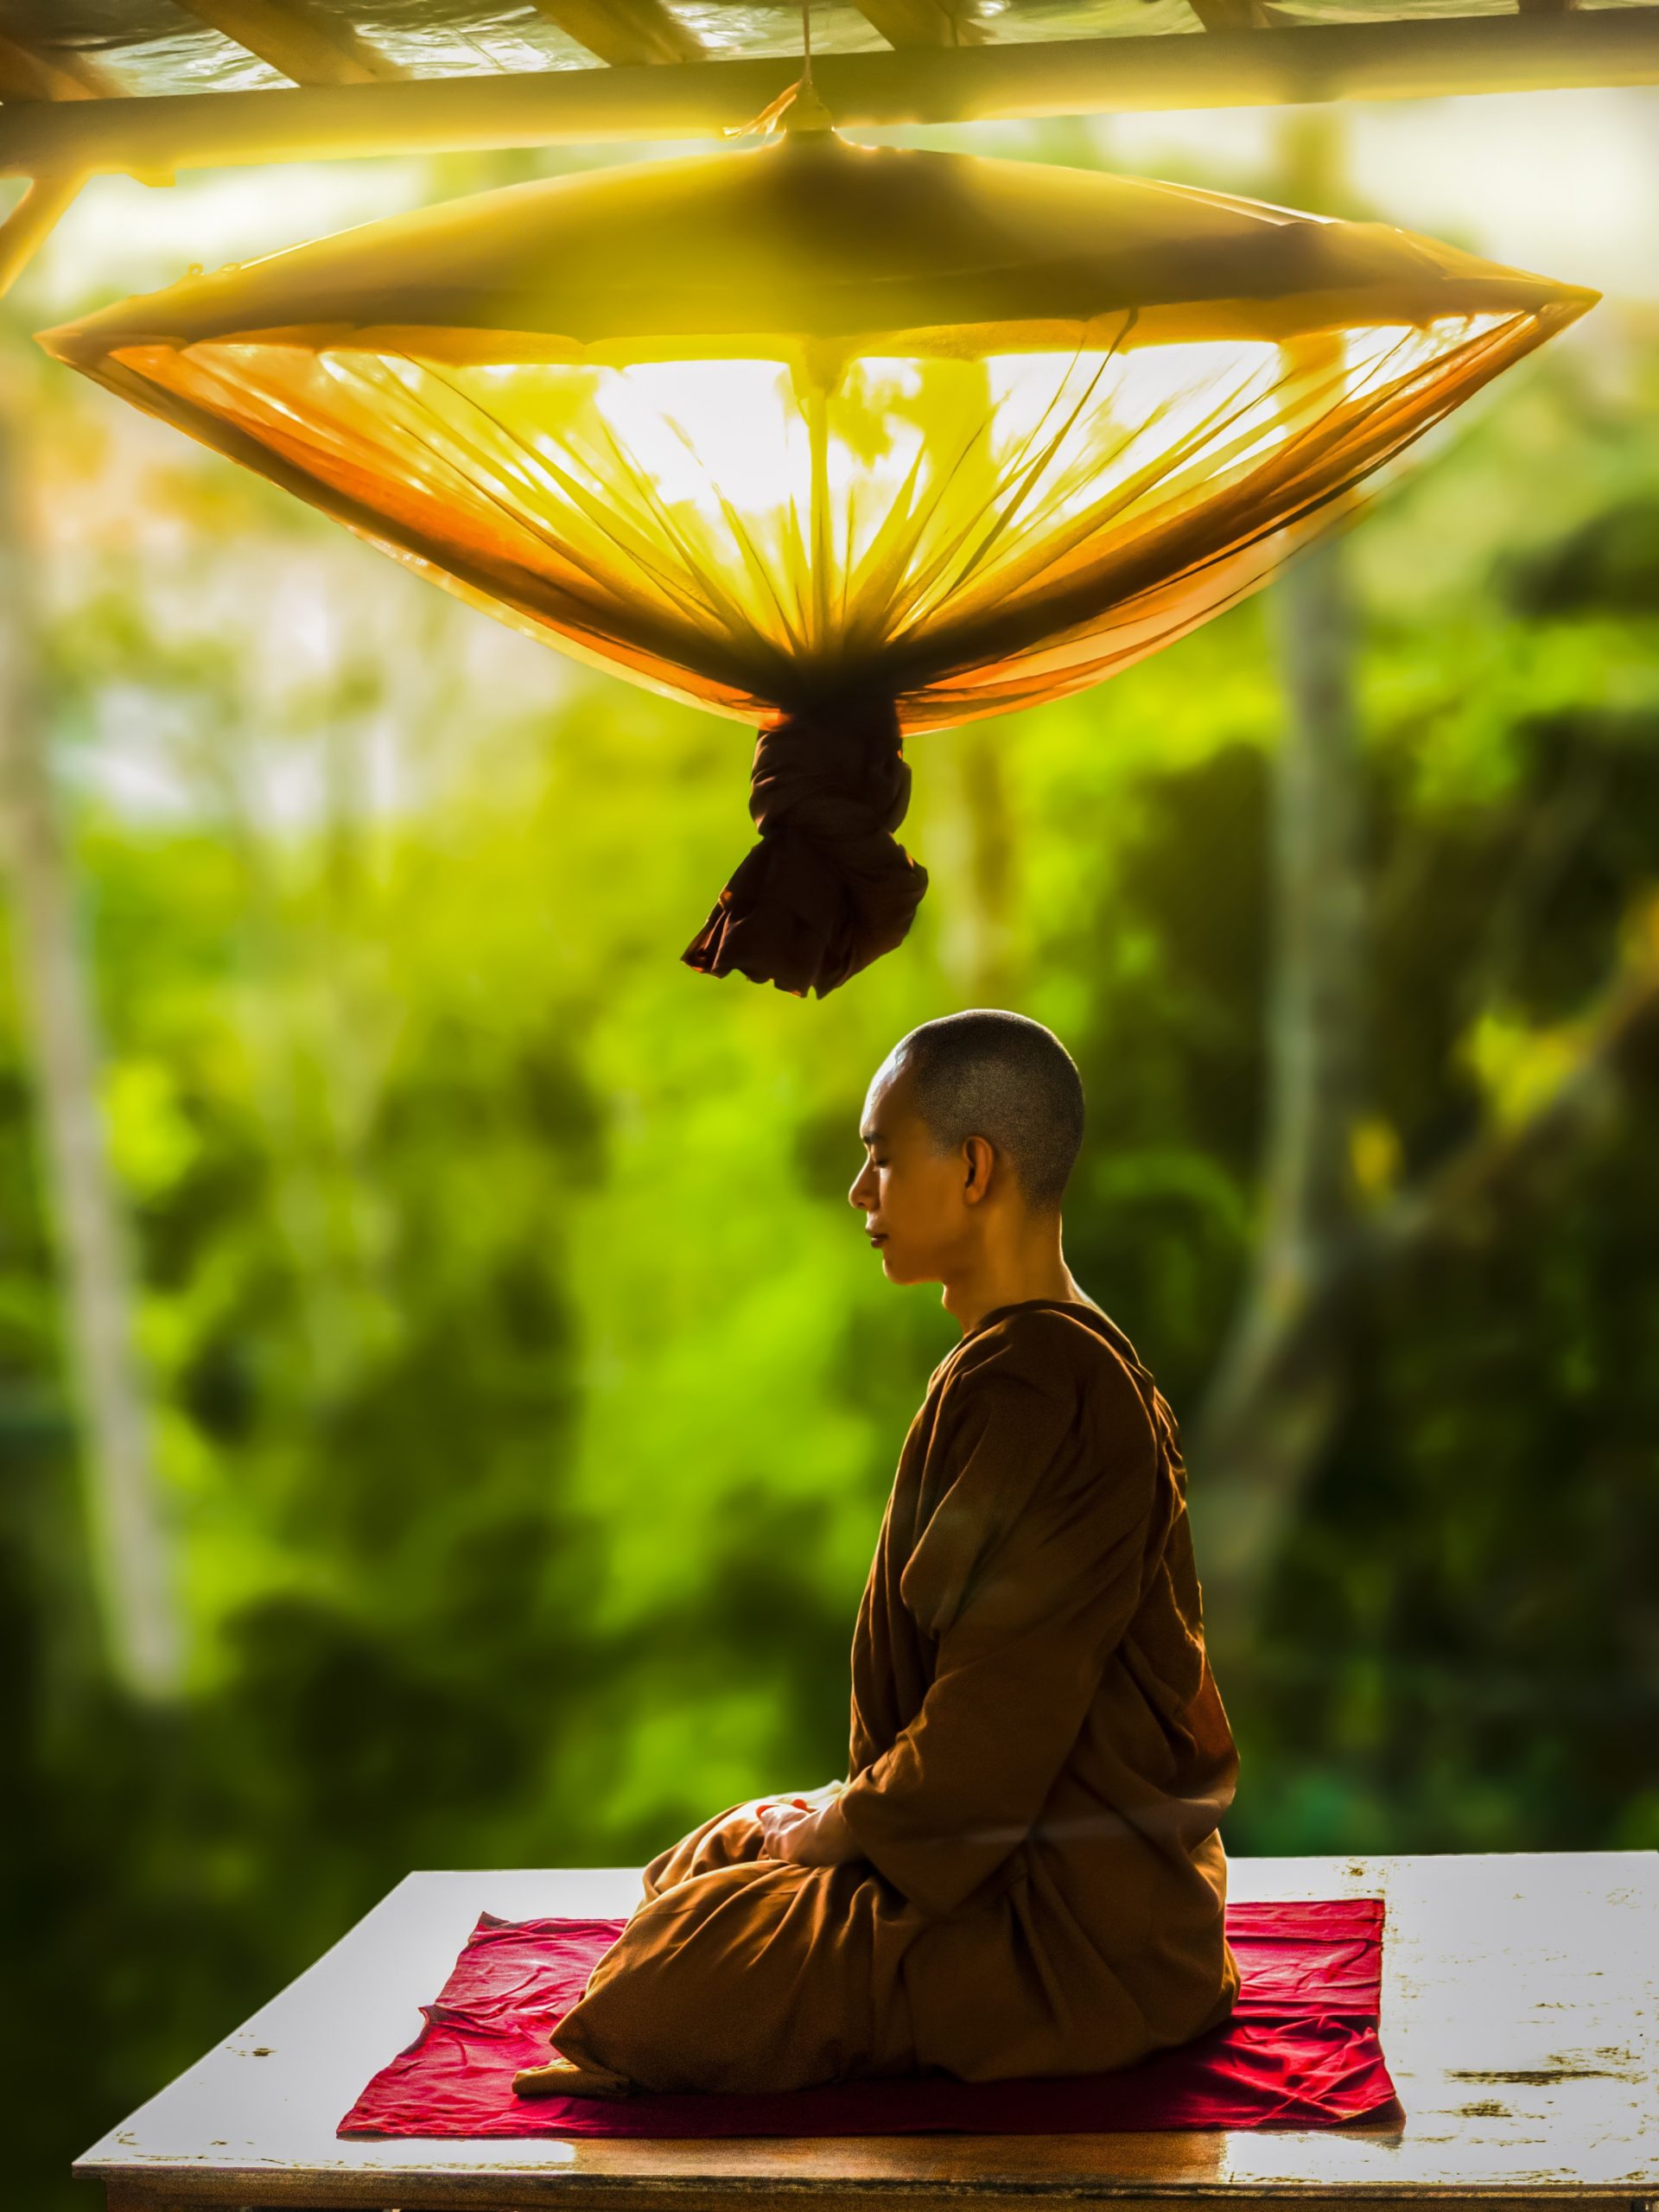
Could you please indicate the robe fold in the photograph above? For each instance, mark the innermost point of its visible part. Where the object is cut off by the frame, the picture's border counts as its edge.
(1039, 1760)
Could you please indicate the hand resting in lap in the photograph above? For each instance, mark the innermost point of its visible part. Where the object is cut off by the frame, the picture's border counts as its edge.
(808, 1831)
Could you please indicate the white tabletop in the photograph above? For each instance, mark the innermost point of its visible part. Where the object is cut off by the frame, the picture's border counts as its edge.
(1518, 2022)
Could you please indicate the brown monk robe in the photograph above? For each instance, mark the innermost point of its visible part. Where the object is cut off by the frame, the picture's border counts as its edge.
(1033, 1883)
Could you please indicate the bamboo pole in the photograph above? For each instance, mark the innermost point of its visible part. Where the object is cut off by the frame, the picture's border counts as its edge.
(153, 137)
(26, 228)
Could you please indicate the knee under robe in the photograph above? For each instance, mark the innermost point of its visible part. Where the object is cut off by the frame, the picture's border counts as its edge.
(1040, 1759)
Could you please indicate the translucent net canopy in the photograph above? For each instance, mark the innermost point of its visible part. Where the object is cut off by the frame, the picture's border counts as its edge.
(848, 443)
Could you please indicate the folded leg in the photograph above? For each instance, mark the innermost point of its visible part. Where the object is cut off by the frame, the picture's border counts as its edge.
(748, 1974)
(730, 1839)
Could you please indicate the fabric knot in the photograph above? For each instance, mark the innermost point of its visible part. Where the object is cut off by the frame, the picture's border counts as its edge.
(827, 889)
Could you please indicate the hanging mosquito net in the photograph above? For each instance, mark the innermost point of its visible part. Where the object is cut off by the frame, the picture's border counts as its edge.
(845, 442)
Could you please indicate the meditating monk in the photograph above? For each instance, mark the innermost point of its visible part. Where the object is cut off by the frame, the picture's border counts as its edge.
(1021, 1874)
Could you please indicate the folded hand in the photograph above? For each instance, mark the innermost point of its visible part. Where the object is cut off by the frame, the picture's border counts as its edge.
(808, 1831)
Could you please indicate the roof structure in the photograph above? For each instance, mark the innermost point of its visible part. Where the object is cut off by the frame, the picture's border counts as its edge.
(147, 87)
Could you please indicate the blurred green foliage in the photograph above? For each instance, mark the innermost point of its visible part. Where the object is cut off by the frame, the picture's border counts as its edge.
(524, 1395)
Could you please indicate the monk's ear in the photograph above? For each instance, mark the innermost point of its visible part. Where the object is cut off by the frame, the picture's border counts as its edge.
(979, 1157)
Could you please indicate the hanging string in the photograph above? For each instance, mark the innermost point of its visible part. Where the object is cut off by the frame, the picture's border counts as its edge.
(798, 108)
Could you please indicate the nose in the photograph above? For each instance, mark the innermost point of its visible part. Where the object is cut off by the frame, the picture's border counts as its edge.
(854, 1196)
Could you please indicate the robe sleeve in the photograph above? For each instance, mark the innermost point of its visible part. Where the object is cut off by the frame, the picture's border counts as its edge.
(1031, 1567)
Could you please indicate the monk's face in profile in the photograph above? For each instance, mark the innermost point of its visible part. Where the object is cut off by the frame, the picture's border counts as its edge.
(920, 1204)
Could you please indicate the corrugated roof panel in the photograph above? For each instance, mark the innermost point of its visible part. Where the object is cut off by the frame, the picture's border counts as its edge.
(734, 30)
(462, 38)
(1057, 19)
(1381, 11)
(139, 45)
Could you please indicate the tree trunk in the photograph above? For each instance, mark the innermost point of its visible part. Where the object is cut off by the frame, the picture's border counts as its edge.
(129, 1543)
(1279, 1385)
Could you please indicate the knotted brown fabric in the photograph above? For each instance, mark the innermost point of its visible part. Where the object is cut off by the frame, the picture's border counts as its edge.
(827, 889)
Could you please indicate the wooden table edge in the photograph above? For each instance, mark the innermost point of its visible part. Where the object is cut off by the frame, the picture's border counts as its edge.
(250, 2189)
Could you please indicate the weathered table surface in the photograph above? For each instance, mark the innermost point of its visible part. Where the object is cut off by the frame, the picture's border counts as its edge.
(1518, 2019)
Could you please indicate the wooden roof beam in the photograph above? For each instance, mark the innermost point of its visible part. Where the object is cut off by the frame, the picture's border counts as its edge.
(308, 44)
(626, 33)
(26, 73)
(1421, 59)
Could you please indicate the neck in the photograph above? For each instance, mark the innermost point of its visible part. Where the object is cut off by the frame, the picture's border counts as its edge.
(1009, 1270)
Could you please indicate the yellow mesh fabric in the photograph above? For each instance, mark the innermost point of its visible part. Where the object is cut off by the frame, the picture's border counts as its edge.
(792, 424)
(969, 534)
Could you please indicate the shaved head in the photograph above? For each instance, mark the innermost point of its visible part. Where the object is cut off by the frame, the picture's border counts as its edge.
(1002, 1076)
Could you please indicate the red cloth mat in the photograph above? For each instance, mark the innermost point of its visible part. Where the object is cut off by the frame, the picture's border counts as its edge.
(1300, 2049)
